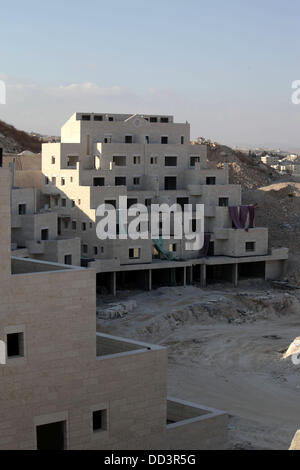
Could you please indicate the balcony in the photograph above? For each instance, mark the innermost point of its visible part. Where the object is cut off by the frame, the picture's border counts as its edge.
(109, 346)
(194, 427)
(35, 247)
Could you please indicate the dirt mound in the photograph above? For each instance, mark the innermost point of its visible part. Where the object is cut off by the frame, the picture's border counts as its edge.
(236, 310)
(13, 140)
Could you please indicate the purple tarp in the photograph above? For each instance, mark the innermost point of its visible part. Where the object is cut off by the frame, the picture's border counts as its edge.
(239, 216)
(204, 251)
(251, 216)
(243, 215)
(234, 214)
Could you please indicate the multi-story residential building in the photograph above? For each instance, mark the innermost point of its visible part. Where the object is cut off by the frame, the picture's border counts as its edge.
(150, 159)
(64, 386)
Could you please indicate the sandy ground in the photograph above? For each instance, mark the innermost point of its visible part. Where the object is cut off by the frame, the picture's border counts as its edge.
(225, 347)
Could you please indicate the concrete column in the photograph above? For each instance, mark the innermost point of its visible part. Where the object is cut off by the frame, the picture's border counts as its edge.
(150, 279)
(113, 283)
(189, 274)
(184, 276)
(173, 276)
(203, 275)
(235, 274)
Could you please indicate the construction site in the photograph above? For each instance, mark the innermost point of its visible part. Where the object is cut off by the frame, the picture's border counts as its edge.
(222, 317)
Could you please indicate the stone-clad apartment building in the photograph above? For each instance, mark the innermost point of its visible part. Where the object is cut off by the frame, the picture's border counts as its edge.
(150, 160)
(64, 386)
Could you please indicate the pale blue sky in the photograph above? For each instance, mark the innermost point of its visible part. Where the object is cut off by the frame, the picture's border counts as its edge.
(226, 67)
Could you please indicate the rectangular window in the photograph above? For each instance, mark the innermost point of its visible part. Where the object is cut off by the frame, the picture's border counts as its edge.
(170, 161)
(102, 249)
(79, 202)
(128, 139)
(172, 247)
(53, 180)
(170, 183)
(134, 253)
(95, 250)
(194, 160)
(72, 161)
(44, 234)
(136, 180)
(148, 202)
(164, 139)
(164, 119)
(83, 226)
(84, 249)
(250, 246)
(182, 140)
(153, 160)
(63, 202)
(86, 117)
(153, 119)
(119, 160)
(110, 118)
(210, 180)
(120, 181)
(46, 180)
(63, 181)
(99, 181)
(137, 160)
(131, 202)
(74, 225)
(71, 179)
(182, 201)
(22, 209)
(15, 345)
(147, 141)
(68, 259)
(223, 202)
(66, 224)
(108, 139)
(98, 117)
(53, 159)
(111, 202)
(72, 202)
(99, 420)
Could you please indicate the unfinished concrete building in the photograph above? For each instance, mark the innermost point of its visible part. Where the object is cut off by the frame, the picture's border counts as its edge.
(149, 159)
(65, 387)
(34, 227)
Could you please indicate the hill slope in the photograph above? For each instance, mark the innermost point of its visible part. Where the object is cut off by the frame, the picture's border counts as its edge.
(243, 169)
(14, 141)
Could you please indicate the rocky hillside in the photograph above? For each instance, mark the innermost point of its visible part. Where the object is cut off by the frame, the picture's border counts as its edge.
(243, 169)
(13, 140)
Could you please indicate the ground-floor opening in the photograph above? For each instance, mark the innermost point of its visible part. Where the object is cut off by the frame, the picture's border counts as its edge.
(252, 270)
(220, 273)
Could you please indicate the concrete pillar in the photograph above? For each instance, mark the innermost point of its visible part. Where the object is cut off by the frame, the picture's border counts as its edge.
(113, 283)
(149, 286)
(189, 274)
(203, 275)
(235, 274)
(173, 276)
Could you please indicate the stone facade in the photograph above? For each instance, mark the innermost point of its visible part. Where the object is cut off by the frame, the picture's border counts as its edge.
(63, 387)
